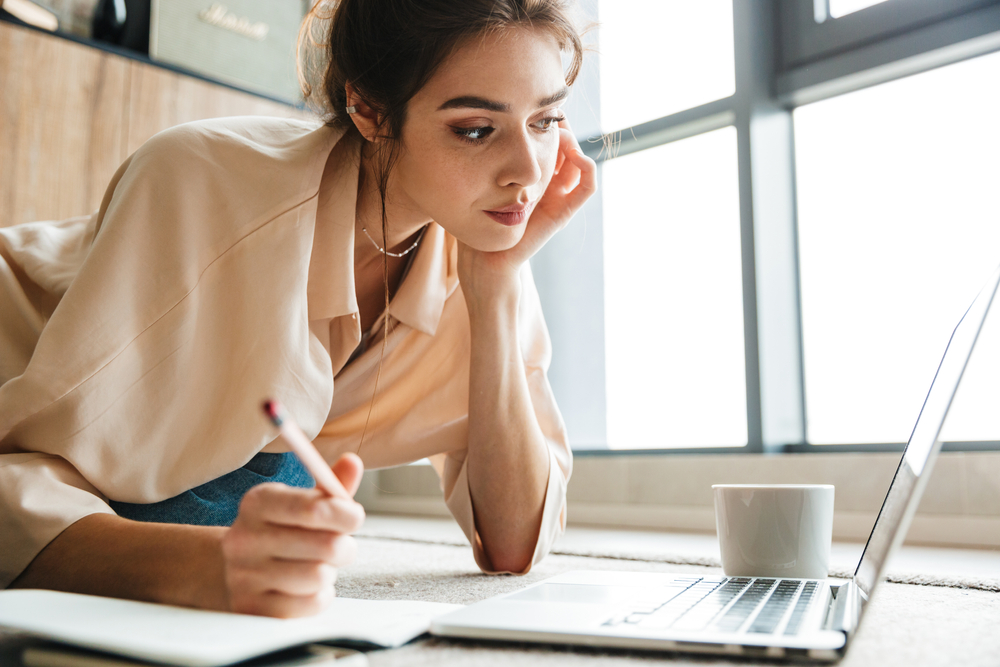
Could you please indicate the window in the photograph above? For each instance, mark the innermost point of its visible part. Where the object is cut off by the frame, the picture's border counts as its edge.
(673, 315)
(798, 213)
(899, 226)
(689, 45)
(840, 8)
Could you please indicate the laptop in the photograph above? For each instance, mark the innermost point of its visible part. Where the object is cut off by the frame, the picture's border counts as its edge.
(812, 619)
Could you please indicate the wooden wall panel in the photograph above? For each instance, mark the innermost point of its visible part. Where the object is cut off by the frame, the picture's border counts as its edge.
(161, 99)
(70, 114)
(61, 125)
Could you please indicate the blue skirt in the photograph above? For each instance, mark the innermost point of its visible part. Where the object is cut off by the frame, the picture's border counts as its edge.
(216, 503)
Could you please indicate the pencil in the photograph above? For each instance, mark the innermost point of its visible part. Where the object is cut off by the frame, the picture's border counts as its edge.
(305, 450)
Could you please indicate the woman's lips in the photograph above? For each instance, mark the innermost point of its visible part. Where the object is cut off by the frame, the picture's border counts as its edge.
(513, 215)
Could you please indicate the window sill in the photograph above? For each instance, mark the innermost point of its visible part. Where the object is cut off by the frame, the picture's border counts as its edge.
(912, 562)
(961, 506)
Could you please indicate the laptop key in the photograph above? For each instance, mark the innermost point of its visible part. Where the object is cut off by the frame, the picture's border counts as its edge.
(705, 611)
(774, 609)
(645, 609)
(741, 610)
(667, 615)
(799, 612)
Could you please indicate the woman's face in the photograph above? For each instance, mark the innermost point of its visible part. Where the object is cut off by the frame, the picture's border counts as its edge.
(480, 140)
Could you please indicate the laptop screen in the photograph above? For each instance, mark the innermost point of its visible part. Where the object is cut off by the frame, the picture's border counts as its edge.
(918, 458)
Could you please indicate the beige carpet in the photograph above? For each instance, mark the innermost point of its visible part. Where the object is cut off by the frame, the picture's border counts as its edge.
(612, 551)
(906, 625)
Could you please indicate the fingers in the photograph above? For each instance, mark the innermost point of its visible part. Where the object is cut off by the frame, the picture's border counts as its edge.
(284, 543)
(566, 143)
(282, 553)
(313, 509)
(560, 159)
(566, 176)
(587, 185)
(296, 578)
(568, 190)
(349, 470)
(280, 605)
(259, 583)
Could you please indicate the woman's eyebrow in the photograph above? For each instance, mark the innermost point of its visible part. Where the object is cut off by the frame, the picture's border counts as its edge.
(557, 97)
(473, 102)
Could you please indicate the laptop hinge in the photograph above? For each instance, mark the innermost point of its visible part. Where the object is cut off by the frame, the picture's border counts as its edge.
(843, 614)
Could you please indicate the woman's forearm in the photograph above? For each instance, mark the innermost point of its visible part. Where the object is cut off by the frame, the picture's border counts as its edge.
(103, 554)
(279, 558)
(508, 464)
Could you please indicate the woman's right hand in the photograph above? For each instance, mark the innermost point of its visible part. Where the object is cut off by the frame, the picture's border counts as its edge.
(282, 552)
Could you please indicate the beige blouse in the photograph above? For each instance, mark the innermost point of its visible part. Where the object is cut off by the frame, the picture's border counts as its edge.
(136, 344)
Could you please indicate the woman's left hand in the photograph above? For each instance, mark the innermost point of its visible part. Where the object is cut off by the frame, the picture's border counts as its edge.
(572, 184)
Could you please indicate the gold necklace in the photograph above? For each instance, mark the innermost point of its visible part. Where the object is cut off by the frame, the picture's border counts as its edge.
(396, 254)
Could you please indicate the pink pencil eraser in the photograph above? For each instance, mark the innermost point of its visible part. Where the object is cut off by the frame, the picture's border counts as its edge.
(274, 411)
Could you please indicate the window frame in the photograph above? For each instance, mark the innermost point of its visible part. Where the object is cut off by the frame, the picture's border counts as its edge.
(808, 33)
(784, 58)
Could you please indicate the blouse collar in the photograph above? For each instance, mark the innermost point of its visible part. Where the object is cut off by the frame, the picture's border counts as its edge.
(431, 279)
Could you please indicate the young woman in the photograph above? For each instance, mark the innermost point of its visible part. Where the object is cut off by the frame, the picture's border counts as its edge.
(238, 259)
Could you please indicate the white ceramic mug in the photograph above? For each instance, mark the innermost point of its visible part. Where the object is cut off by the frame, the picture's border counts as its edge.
(774, 530)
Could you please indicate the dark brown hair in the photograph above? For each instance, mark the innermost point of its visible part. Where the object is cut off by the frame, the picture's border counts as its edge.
(388, 49)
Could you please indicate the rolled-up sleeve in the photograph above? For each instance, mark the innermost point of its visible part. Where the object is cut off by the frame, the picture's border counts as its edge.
(452, 468)
(41, 495)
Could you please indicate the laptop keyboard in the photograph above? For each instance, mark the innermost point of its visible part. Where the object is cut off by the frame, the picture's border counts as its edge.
(808, 593)
(772, 613)
(721, 604)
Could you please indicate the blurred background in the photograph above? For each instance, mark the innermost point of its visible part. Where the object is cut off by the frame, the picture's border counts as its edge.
(798, 198)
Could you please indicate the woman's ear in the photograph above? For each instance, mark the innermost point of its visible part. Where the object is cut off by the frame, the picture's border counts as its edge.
(364, 117)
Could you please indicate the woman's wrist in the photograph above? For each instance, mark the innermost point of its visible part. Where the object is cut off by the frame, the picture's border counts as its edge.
(200, 580)
(487, 282)
(492, 298)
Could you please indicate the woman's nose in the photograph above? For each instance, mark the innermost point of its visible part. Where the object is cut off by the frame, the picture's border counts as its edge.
(521, 162)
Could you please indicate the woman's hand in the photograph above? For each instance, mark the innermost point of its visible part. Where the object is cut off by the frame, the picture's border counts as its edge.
(282, 552)
(572, 184)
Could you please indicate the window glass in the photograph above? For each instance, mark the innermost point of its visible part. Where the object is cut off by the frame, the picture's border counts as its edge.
(899, 227)
(840, 8)
(673, 308)
(974, 414)
(658, 57)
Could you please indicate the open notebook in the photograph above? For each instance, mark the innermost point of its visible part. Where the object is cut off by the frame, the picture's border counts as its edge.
(195, 638)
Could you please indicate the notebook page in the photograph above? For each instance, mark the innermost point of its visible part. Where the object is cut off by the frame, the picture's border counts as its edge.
(196, 638)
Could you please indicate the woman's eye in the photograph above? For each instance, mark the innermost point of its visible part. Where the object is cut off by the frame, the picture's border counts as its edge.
(473, 134)
(548, 123)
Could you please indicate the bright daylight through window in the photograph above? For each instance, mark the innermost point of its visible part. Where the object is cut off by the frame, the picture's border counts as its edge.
(840, 8)
(672, 263)
(674, 301)
(899, 226)
(658, 57)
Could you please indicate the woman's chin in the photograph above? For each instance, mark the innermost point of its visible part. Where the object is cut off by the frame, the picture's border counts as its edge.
(497, 241)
